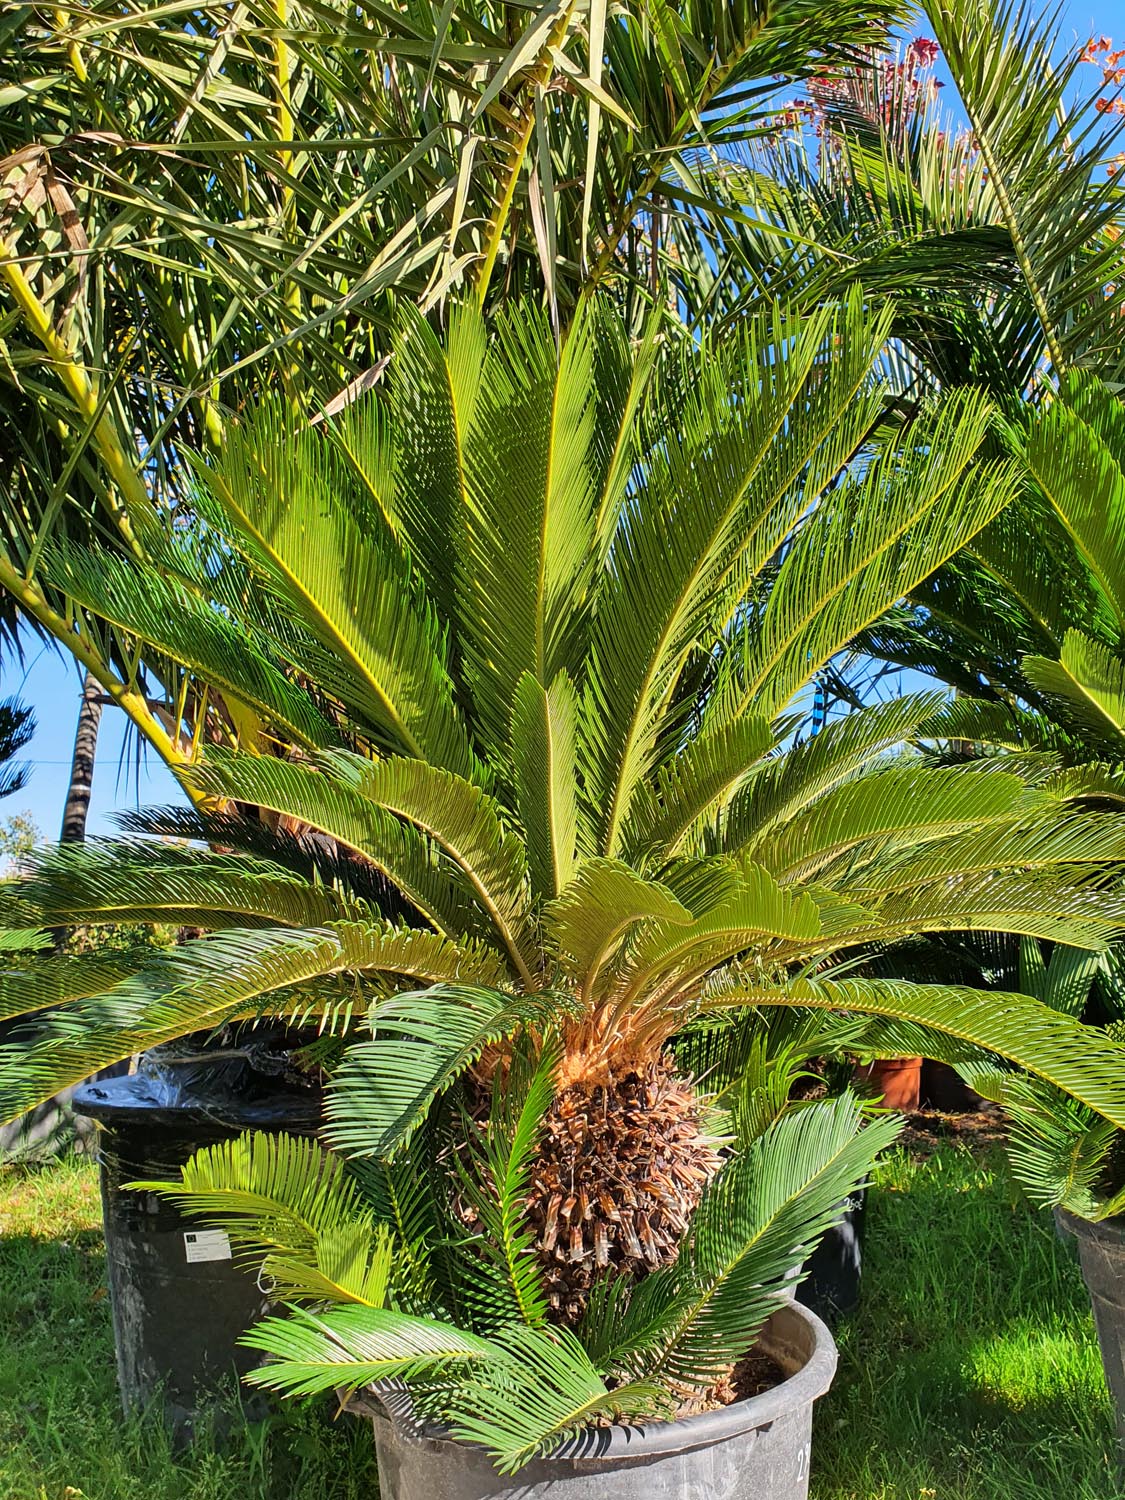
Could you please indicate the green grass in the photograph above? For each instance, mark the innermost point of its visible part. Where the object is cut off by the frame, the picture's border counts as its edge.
(62, 1435)
(971, 1370)
(969, 1373)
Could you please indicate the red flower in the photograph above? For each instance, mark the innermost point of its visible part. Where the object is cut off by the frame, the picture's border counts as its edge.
(1091, 49)
(923, 52)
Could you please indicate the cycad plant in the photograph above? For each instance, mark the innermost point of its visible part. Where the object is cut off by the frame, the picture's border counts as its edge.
(521, 640)
(1032, 622)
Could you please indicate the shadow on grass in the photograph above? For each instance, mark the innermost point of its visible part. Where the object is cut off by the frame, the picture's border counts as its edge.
(970, 1370)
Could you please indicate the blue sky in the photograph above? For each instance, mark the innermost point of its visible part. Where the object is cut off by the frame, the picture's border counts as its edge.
(51, 683)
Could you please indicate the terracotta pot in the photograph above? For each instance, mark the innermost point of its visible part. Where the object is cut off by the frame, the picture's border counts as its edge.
(898, 1079)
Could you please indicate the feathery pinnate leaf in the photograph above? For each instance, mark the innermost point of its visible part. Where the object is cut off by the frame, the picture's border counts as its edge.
(424, 1040)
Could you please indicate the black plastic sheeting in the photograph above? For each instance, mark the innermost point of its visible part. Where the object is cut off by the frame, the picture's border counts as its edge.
(179, 1299)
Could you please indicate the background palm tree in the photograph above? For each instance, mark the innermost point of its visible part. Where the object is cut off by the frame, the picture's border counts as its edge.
(76, 808)
(1008, 231)
(198, 209)
(17, 728)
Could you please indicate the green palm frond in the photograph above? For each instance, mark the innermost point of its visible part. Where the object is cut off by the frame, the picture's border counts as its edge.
(143, 881)
(334, 806)
(352, 1263)
(207, 981)
(390, 810)
(160, 611)
(784, 1190)
(1040, 154)
(1063, 981)
(190, 988)
(59, 980)
(1058, 1149)
(727, 1051)
(545, 1390)
(907, 516)
(277, 1191)
(1065, 845)
(406, 1198)
(1082, 913)
(24, 940)
(704, 774)
(784, 786)
(1081, 1060)
(1003, 725)
(424, 1041)
(588, 922)
(716, 509)
(907, 804)
(1075, 452)
(532, 485)
(348, 1347)
(507, 1285)
(343, 579)
(465, 824)
(754, 909)
(1087, 686)
(288, 1205)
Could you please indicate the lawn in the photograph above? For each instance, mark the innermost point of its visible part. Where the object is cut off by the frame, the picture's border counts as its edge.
(970, 1371)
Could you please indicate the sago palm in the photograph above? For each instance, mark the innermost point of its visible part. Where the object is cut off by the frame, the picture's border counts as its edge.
(1030, 622)
(523, 634)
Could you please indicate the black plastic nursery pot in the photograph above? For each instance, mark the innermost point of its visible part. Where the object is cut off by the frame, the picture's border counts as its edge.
(832, 1272)
(1101, 1249)
(757, 1449)
(179, 1301)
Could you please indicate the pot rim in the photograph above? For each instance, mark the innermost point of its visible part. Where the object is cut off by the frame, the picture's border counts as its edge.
(1108, 1231)
(796, 1391)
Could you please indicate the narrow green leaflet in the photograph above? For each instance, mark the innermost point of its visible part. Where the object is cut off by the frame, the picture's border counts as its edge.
(424, 1040)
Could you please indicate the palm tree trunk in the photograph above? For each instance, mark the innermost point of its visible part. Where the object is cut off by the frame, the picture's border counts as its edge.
(51, 1127)
(77, 806)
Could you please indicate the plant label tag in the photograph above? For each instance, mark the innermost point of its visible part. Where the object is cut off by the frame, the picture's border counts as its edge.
(206, 1244)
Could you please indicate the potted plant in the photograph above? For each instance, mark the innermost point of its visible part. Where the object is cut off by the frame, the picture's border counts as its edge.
(422, 1290)
(1069, 1159)
(526, 628)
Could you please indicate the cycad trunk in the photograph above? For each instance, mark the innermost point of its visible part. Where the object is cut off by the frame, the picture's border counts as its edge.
(622, 1165)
